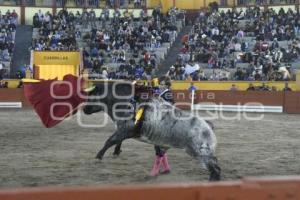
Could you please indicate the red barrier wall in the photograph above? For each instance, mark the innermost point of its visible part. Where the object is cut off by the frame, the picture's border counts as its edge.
(292, 102)
(248, 189)
(232, 98)
(13, 95)
(289, 100)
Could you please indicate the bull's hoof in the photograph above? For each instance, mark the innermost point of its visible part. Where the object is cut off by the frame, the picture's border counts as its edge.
(117, 153)
(215, 177)
(215, 171)
(99, 157)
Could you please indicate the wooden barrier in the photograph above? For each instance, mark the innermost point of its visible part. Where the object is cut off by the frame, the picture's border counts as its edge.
(281, 188)
(231, 98)
(13, 95)
(201, 85)
(290, 101)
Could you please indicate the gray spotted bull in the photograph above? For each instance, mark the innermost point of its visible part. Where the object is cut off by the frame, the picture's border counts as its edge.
(162, 124)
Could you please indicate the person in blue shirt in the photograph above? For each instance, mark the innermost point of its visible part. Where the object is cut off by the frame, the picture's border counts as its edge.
(94, 52)
(139, 72)
(192, 88)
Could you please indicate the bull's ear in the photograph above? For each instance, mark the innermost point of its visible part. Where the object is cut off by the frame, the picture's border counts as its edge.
(90, 89)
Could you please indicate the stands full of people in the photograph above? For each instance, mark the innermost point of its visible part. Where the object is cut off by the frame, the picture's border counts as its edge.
(8, 26)
(55, 33)
(122, 46)
(240, 45)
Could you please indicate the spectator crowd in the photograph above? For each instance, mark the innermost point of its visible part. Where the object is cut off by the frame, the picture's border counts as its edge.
(108, 3)
(240, 45)
(55, 33)
(129, 43)
(8, 26)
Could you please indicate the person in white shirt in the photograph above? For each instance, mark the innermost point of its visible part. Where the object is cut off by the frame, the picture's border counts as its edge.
(41, 16)
(215, 31)
(104, 74)
(237, 47)
(240, 34)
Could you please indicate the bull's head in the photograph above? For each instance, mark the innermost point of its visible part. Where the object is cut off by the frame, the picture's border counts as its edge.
(93, 102)
(105, 96)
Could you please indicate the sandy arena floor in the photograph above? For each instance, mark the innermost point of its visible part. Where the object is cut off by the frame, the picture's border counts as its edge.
(31, 155)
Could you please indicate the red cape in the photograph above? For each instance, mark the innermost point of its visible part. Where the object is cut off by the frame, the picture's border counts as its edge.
(64, 100)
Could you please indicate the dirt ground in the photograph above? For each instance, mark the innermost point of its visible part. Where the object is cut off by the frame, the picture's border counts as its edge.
(31, 155)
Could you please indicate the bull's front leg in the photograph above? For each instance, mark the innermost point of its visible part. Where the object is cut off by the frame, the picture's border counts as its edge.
(116, 138)
(126, 130)
(117, 150)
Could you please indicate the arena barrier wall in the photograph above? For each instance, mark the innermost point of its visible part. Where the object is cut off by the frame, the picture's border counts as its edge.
(210, 85)
(13, 95)
(223, 99)
(292, 102)
(282, 188)
(289, 101)
(231, 98)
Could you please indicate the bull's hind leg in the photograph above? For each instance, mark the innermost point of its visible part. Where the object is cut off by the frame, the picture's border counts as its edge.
(211, 163)
(208, 160)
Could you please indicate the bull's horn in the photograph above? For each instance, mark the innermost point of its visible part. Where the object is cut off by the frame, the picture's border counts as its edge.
(134, 82)
(89, 89)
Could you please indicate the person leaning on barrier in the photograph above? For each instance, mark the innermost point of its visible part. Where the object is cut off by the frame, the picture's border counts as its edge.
(192, 88)
(251, 87)
(273, 89)
(286, 87)
(3, 84)
(264, 87)
(233, 88)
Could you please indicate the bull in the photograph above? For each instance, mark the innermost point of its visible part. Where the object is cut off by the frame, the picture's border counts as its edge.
(161, 124)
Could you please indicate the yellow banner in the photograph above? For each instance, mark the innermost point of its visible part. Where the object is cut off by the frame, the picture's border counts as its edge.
(56, 58)
(226, 85)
